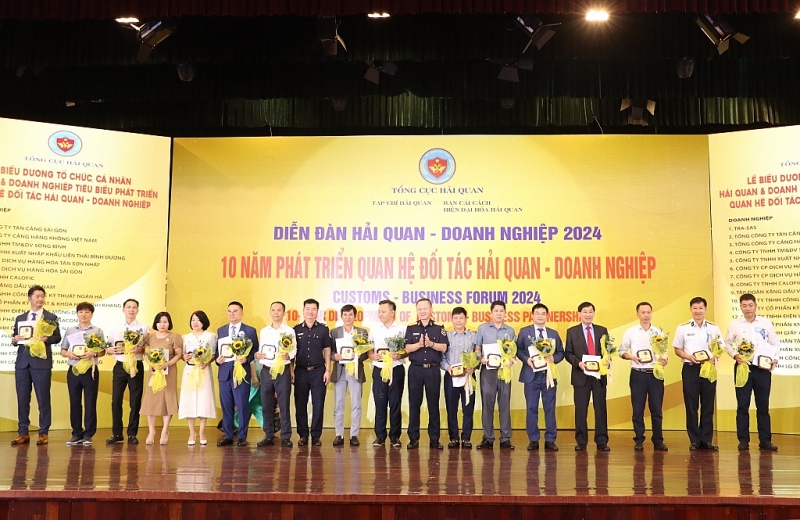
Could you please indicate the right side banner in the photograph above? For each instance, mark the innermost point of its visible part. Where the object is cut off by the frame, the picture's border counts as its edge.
(755, 212)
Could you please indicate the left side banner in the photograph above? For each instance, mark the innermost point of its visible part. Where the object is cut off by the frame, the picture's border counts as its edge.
(83, 213)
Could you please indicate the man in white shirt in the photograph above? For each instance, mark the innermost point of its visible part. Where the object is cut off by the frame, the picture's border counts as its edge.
(385, 394)
(280, 386)
(644, 385)
(760, 332)
(121, 379)
(692, 344)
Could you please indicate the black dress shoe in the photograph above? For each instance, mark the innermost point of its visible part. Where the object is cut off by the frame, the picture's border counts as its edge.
(485, 445)
(286, 443)
(241, 442)
(413, 445)
(303, 441)
(114, 439)
(550, 446)
(580, 447)
(533, 445)
(638, 446)
(743, 446)
(466, 445)
(436, 445)
(452, 444)
(266, 441)
(506, 445)
(225, 442)
(133, 440)
(354, 441)
(338, 441)
(694, 446)
(316, 442)
(660, 447)
(603, 447)
(768, 446)
(708, 446)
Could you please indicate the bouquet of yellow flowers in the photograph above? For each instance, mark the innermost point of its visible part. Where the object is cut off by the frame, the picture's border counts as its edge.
(607, 349)
(659, 341)
(469, 360)
(746, 350)
(157, 360)
(44, 328)
(546, 348)
(709, 369)
(240, 347)
(285, 346)
(508, 349)
(94, 342)
(131, 340)
(396, 345)
(202, 355)
(361, 344)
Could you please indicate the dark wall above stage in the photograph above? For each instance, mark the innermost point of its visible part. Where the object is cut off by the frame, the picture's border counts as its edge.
(269, 75)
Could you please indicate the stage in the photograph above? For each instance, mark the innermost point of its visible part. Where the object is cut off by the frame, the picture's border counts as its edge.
(236, 483)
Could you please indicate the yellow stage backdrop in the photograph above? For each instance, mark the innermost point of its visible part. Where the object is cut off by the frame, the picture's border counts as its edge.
(462, 220)
(755, 179)
(83, 213)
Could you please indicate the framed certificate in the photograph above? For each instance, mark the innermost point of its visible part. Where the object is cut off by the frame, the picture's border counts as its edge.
(78, 350)
(26, 331)
(119, 347)
(494, 361)
(347, 353)
(645, 356)
(381, 351)
(592, 366)
(765, 362)
(539, 362)
(701, 356)
(457, 370)
(269, 351)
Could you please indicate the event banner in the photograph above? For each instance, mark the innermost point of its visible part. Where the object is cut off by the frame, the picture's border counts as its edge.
(461, 220)
(83, 213)
(755, 207)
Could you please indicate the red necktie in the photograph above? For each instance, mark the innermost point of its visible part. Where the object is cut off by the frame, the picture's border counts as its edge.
(589, 340)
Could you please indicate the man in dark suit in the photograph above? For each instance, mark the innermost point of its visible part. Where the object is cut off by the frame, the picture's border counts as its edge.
(235, 398)
(342, 380)
(584, 339)
(32, 372)
(535, 379)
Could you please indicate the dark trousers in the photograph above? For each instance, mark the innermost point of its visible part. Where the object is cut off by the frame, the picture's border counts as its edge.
(533, 392)
(646, 388)
(453, 396)
(698, 392)
(119, 382)
(282, 387)
(428, 380)
(391, 396)
(235, 400)
(595, 390)
(83, 386)
(760, 384)
(38, 380)
(306, 382)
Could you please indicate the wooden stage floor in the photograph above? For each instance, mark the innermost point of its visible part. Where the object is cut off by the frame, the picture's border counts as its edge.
(210, 482)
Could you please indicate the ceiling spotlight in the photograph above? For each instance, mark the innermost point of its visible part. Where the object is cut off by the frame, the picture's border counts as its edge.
(685, 68)
(510, 71)
(595, 15)
(719, 31)
(797, 16)
(127, 20)
(69, 104)
(150, 34)
(328, 34)
(378, 15)
(185, 71)
(373, 74)
(538, 32)
(637, 107)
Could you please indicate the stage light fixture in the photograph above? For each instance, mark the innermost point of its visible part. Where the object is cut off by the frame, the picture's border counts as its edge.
(596, 15)
(373, 74)
(685, 68)
(797, 16)
(378, 15)
(328, 34)
(509, 71)
(637, 108)
(150, 34)
(538, 32)
(719, 31)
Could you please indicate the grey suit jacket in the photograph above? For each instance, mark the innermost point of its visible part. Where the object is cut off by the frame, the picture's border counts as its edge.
(339, 370)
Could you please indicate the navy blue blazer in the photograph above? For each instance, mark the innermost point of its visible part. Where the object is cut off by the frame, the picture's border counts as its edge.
(526, 338)
(24, 358)
(226, 369)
